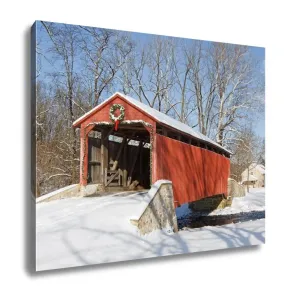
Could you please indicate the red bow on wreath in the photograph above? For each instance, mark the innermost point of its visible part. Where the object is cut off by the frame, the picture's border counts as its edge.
(120, 117)
(117, 124)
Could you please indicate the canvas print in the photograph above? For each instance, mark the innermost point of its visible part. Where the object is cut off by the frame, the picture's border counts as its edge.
(144, 145)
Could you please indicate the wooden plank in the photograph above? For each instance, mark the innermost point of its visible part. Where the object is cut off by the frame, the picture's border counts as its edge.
(94, 163)
(127, 127)
(105, 177)
(112, 178)
(138, 150)
(141, 158)
(108, 133)
(104, 154)
(120, 173)
(94, 160)
(144, 138)
(125, 171)
(164, 132)
(115, 164)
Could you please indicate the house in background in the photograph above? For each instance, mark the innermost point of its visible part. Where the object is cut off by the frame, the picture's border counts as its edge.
(254, 176)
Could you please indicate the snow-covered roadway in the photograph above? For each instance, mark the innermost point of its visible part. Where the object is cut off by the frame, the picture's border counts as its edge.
(91, 230)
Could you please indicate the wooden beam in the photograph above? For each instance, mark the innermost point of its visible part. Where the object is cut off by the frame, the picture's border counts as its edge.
(134, 163)
(113, 177)
(105, 177)
(109, 132)
(136, 138)
(125, 127)
(115, 164)
(104, 154)
(164, 132)
(141, 158)
(125, 172)
(131, 136)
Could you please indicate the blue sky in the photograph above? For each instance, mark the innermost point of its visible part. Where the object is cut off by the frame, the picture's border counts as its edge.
(259, 52)
(142, 39)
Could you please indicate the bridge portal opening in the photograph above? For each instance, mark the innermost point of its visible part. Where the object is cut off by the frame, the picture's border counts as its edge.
(120, 160)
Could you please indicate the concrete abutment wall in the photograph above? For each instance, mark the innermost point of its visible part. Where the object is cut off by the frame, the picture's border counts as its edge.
(159, 212)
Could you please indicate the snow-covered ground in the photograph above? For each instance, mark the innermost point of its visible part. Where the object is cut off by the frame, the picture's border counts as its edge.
(91, 230)
(253, 201)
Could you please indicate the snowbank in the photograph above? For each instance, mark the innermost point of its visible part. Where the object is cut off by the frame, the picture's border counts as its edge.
(93, 230)
(253, 201)
(69, 191)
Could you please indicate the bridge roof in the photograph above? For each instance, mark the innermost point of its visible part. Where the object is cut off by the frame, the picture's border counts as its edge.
(158, 116)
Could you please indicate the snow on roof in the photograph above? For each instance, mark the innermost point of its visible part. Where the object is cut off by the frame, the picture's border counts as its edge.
(158, 116)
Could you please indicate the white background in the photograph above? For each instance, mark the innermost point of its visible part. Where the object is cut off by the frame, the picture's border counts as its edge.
(250, 274)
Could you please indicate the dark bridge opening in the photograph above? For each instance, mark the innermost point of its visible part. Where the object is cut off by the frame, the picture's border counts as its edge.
(119, 159)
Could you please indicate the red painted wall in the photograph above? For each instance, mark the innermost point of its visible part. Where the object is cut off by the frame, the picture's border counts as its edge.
(195, 172)
(131, 113)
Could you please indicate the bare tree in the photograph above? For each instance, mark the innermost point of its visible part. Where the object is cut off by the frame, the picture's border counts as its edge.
(247, 154)
(236, 87)
(102, 53)
(182, 69)
(105, 52)
(64, 40)
(202, 83)
(224, 82)
(150, 74)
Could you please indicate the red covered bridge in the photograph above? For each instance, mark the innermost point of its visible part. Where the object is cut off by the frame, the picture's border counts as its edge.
(127, 143)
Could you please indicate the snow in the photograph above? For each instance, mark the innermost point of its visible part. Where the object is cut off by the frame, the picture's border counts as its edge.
(46, 196)
(124, 122)
(92, 230)
(253, 201)
(157, 115)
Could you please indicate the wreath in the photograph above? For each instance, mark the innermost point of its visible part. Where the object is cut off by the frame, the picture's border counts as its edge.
(118, 118)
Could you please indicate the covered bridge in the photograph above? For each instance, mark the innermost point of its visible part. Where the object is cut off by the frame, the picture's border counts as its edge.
(125, 142)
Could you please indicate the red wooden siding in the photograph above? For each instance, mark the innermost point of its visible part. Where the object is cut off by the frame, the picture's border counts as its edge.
(195, 173)
(103, 114)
